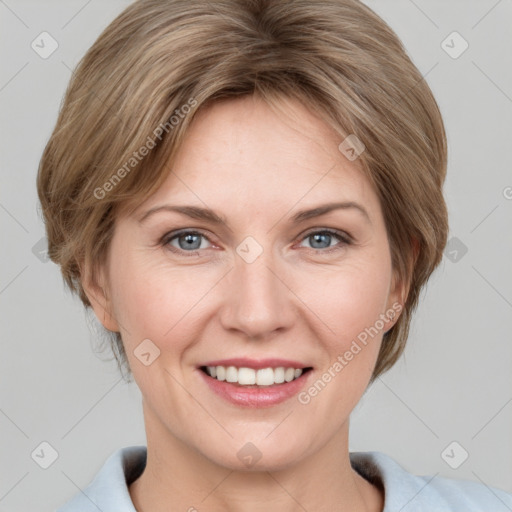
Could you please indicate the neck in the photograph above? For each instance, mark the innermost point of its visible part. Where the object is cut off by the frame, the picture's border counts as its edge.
(180, 477)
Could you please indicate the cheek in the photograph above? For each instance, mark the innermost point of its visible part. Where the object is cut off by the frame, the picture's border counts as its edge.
(168, 303)
(350, 298)
(153, 299)
(350, 305)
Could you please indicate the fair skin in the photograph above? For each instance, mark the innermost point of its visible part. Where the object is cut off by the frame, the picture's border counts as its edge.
(299, 299)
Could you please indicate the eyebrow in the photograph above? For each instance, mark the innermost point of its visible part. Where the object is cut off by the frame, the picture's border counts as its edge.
(205, 214)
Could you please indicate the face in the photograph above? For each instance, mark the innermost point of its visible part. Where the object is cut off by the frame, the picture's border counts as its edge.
(265, 283)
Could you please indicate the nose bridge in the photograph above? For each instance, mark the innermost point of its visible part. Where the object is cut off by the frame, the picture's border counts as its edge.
(258, 301)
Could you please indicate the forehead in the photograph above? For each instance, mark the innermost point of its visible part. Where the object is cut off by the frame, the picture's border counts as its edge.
(242, 153)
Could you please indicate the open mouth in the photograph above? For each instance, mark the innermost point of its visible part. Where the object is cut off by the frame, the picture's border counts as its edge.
(251, 378)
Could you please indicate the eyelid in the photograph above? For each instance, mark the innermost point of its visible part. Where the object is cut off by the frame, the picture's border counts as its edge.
(344, 237)
(171, 235)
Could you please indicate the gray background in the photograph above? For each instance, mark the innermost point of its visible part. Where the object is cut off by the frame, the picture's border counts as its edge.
(454, 382)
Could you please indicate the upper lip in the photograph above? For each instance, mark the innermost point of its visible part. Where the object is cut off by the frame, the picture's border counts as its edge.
(256, 364)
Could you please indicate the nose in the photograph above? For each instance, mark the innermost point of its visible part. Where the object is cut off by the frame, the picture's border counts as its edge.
(258, 301)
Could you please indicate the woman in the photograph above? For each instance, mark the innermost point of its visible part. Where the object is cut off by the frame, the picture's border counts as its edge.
(248, 194)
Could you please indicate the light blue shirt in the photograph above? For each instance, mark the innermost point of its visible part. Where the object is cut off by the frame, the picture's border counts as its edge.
(404, 492)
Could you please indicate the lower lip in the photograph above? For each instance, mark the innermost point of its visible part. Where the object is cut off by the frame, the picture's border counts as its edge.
(263, 396)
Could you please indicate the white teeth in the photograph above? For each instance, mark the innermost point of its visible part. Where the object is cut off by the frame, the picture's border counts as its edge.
(265, 377)
(279, 375)
(248, 376)
(221, 373)
(231, 374)
(289, 374)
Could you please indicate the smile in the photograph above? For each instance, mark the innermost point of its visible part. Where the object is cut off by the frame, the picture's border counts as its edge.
(244, 376)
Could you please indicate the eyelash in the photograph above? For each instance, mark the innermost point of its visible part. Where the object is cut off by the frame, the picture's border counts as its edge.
(342, 236)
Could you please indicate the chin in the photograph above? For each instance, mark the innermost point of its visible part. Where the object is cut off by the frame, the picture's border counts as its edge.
(259, 454)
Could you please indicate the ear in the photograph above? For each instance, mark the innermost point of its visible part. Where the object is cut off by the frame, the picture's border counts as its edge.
(399, 289)
(98, 294)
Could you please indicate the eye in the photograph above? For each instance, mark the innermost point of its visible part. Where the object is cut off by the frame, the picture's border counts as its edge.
(186, 241)
(322, 239)
(190, 242)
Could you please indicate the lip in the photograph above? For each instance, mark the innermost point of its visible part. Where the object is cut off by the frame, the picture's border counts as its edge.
(256, 364)
(255, 397)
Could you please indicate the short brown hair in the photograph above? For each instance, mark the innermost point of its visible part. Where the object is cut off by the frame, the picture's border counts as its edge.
(336, 56)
